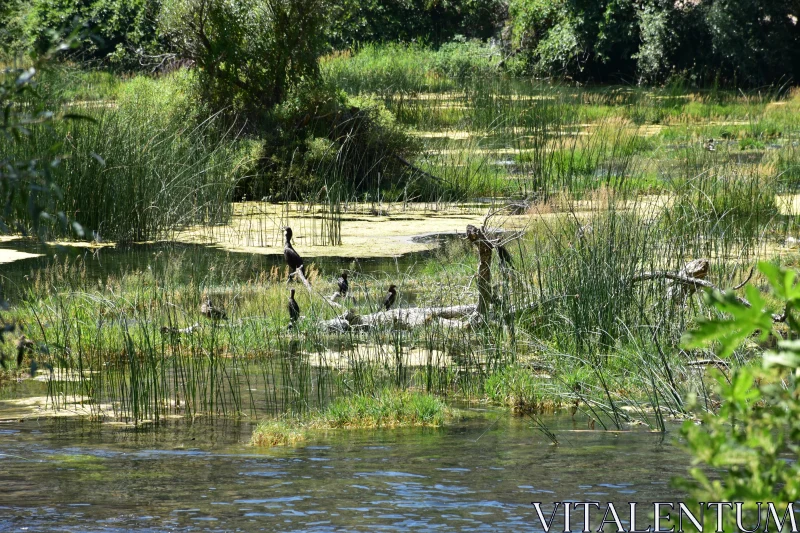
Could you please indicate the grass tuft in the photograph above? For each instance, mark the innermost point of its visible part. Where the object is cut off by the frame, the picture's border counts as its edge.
(281, 432)
(385, 409)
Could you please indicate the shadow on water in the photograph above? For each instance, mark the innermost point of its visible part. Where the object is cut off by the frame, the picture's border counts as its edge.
(479, 475)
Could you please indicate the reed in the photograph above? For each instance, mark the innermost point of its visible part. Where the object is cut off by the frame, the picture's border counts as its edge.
(139, 168)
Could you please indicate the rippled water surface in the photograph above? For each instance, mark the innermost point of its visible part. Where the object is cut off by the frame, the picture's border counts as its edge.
(480, 475)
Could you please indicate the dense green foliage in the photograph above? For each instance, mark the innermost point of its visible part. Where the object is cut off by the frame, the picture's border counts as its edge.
(116, 30)
(28, 190)
(127, 174)
(755, 437)
(736, 42)
(251, 53)
(430, 21)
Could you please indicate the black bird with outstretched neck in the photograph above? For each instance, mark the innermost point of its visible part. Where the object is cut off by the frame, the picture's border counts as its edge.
(344, 286)
(293, 259)
(209, 310)
(294, 310)
(388, 302)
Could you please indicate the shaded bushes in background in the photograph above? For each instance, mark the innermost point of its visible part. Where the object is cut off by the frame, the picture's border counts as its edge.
(735, 42)
(320, 137)
(115, 29)
(435, 22)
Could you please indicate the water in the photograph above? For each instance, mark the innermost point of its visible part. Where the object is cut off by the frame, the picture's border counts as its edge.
(105, 262)
(479, 475)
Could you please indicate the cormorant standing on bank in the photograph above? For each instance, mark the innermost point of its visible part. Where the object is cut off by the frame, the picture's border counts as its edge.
(388, 302)
(344, 286)
(293, 259)
(294, 310)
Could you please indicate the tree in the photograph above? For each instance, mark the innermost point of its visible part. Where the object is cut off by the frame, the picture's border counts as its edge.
(248, 53)
(738, 42)
(114, 29)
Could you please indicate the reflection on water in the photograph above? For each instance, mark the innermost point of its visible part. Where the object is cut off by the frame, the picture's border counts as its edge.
(479, 476)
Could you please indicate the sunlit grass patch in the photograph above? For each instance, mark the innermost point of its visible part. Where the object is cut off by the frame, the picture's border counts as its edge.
(387, 408)
(282, 432)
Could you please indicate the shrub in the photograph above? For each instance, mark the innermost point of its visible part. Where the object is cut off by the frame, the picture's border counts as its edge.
(323, 137)
(736, 42)
(114, 28)
(435, 22)
(249, 54)
(755, 437)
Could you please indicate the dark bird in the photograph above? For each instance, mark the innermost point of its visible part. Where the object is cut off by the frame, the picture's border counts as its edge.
(388, 302)
(505, 257)
(710, 146)
(24, 344)
(208, 309)
(294, 309)
(293, 259)
(344, 286)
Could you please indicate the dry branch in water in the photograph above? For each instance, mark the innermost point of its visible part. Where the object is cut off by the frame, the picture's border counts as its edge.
(695, 283)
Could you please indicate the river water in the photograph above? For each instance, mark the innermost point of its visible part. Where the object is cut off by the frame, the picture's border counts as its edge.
(476, 475)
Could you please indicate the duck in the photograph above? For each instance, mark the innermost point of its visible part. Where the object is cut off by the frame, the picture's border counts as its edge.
(388, 302)
(293, 259)
(294, 310)
(209, 310)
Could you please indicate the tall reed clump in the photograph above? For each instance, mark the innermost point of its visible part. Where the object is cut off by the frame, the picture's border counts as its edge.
(143, 167)
(725, 210)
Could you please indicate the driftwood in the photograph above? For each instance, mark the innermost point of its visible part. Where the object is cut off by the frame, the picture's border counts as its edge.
(416, 169)
(694, 283)
(708, 362)
(454, 317)
(478, 237)
(407, 318)
(181, 331)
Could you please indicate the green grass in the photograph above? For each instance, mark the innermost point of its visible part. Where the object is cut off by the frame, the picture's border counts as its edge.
(281, 432)
(384, 409)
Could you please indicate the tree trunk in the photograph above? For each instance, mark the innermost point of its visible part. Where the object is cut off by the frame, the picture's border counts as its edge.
(477, 237)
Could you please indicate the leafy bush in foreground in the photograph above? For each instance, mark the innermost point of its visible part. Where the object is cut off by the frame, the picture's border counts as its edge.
(755, 437)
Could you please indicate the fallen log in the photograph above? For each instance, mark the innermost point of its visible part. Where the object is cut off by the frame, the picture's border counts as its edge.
(407, 318)
(695, 283)
(709, 362)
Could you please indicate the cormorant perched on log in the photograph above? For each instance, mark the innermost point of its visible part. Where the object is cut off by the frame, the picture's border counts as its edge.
(344, 286)
(294, 310)
(293, 259)
(208, 310)
(505, 257)
(388, 302)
